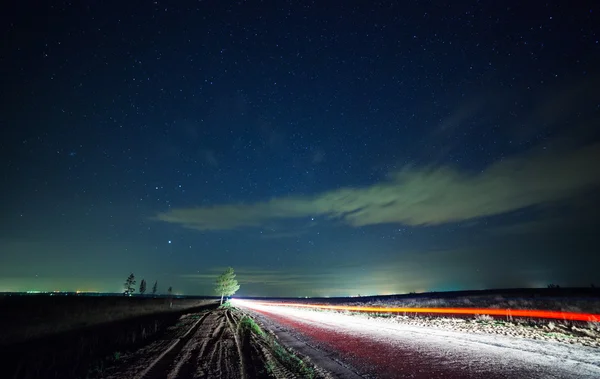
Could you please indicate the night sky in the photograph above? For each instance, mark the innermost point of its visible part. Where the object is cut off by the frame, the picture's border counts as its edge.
(321, 148)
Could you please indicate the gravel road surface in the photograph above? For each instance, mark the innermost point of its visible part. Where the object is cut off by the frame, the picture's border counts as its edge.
(364, 347)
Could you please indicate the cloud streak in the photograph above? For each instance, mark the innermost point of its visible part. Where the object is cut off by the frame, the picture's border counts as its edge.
(419, 196)
(343, 280)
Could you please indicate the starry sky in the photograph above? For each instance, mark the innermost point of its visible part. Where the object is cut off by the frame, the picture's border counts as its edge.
(320, 148)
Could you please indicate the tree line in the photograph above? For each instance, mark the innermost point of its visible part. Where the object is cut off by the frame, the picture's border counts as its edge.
(130, 286)
(225, 285)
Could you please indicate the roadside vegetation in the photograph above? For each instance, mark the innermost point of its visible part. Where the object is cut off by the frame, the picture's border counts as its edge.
(280, 358)
(247, 325)
(290, 360)
(226, 305)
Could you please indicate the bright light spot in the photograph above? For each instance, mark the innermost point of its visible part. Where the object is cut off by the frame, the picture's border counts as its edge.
(169, 241)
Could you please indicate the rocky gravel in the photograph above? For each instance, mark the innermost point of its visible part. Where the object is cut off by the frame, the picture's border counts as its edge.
(556, 331)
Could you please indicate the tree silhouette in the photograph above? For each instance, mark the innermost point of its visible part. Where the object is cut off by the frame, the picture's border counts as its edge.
(170, 292)
(129, 285)
(155, 287)
(143, 286)
(226, 284)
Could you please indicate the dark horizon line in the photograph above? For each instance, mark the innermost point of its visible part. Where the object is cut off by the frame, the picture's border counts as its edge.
(590, 290)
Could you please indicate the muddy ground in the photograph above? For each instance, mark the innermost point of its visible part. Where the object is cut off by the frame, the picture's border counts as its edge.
(223, 343)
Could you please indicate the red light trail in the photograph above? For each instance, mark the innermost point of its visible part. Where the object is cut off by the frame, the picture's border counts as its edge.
(557, 315)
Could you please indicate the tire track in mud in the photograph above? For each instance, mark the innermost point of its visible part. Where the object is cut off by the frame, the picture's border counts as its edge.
(186, 364)
(231, 322)
(216, 346)
(157, 368)
(211, 351)
(223, 359)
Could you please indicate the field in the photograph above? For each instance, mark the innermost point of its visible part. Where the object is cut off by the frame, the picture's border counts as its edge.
(145, 337)
(62, 336)
(35, 316)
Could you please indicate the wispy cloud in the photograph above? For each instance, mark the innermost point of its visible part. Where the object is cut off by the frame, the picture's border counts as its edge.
(420, 195)
(252, 275)
(341, 280)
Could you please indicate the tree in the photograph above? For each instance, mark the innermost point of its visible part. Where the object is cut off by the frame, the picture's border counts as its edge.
(143, 286)
(226, 284)
(155, 287)
(129, 285)
(170, 296)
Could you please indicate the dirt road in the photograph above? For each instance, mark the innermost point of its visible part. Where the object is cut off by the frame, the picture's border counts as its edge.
(211, 350)
(217, 344)
(198, 347)
(375, 349)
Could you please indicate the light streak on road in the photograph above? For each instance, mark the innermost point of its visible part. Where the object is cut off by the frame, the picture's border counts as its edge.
(384, 348)
(531, 313)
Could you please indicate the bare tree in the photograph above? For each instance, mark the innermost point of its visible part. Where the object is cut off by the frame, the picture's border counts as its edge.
(143, 286)
(155, 287)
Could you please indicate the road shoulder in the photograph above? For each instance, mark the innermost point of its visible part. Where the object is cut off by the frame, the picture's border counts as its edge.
(332, 367)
